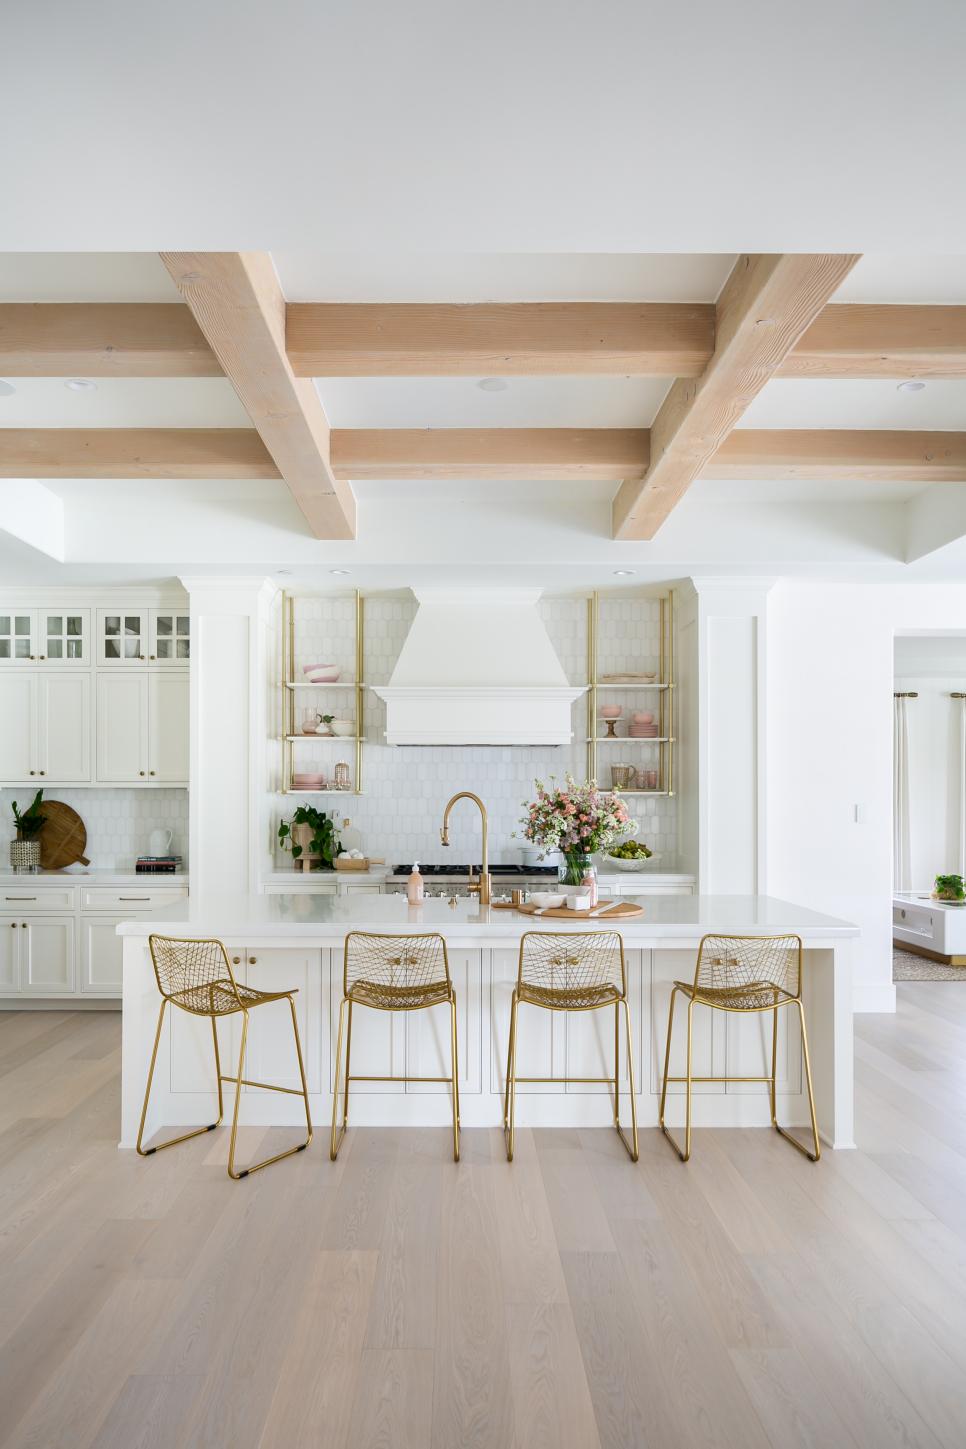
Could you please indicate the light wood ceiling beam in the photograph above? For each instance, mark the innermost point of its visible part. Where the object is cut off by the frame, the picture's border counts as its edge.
(237, 302)
(134, 453)
(875, 455)
(511, 453)
(664, 339)
(859, 340)
(765, 306)
(103, 339)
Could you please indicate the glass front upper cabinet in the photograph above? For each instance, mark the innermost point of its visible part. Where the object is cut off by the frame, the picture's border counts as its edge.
(44, 636)
(170, 637)
(144, 637)
(64, 637)
(122, 636)
(18, 637)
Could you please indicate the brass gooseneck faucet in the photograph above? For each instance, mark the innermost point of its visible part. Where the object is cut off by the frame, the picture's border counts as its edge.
(483, 884)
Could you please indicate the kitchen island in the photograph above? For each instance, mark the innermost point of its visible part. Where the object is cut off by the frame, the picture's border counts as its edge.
(281, 942)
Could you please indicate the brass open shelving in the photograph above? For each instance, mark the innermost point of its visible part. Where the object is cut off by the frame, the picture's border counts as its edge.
(663, 687)
(292, 688)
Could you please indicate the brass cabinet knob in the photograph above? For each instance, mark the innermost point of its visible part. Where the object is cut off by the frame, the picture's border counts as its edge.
(151, 657)
(33, 772)
(24, 924)
(252, 961)
(150, 772)
(41, 772)
(140, 772)
(41, 656)
(236, 960)
(13, 925)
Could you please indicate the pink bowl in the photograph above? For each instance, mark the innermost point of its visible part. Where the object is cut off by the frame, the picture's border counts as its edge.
(611, 711)
(321, 673)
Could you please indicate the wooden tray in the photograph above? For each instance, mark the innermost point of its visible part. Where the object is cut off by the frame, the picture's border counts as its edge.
(614, 910)
(63, 836)
(342, 864)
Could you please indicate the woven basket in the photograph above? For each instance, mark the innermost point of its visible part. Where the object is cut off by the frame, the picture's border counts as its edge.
(25, 854)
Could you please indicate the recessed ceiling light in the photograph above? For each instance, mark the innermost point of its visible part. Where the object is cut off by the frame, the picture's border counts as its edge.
(338, 571)
(625, 573)
(283, 571)
(6, 388)
(910, 386)
(493, 384)
(80, 384)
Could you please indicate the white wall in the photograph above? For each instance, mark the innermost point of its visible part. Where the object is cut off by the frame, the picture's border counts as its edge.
(829, 738)
(118, 822)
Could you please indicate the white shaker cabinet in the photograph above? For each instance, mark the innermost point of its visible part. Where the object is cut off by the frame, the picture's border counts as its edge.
(142, 727)
(45, 727)
(37, 955)
(134, 637)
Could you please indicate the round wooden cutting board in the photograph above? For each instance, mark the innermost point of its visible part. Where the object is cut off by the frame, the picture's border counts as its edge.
(63, 838)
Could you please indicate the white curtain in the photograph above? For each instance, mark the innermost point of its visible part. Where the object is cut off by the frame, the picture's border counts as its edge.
(900, 797)
(962, 785)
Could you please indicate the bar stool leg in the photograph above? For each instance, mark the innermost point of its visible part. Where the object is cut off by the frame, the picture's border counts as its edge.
(337, 1136)
(185, 1136)
(633, 1147)
(454, 1062)
(816, 1152)
(509, 1098)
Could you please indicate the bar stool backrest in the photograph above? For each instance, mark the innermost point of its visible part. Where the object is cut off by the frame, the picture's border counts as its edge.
(185, 969)
(395, 960)
(572, 960)
(730, 963)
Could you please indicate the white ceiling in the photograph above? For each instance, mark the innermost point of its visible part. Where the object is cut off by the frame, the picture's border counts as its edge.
(128, 402)
(458, 402)
(481, 277)
(890, 278)
(63, 276)
(507, 127)
(792, 402)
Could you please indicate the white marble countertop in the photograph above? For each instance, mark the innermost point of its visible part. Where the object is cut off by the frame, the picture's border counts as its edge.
(90, 875)
(379, 874)
(327, 918)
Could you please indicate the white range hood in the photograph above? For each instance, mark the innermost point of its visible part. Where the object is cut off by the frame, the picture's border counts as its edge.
(478, 668)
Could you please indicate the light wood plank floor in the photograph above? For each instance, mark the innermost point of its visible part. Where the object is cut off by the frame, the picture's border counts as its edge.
(748, 1300)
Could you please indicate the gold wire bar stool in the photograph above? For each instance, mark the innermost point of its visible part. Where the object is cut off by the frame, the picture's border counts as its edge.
(743, 973)
(197, 977)
(571, 971)
(392, 973)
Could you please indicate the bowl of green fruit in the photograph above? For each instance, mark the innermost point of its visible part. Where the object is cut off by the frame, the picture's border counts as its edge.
(630, 855)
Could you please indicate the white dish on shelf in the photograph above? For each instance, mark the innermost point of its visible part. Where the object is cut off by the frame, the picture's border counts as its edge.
(321, 673)
(344, 728)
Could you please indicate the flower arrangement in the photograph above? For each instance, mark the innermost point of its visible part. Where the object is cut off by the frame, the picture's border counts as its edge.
(575, 819)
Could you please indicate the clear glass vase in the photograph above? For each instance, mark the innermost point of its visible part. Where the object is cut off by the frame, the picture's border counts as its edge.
(574, 866)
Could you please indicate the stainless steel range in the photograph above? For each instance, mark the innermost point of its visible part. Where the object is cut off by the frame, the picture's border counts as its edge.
(454, 879)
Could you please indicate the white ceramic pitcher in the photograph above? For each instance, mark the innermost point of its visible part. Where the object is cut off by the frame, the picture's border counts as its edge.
(159, 842)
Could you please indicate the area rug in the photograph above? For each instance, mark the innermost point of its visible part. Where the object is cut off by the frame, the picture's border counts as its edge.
(908, 967)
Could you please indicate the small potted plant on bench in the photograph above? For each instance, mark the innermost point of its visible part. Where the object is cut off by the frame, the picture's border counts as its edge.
(25, 849)
(312, 837)
(950, 890)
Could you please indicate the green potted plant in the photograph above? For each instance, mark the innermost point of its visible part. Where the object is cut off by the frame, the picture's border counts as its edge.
(25, 849)
(312, 837)
(950, 889)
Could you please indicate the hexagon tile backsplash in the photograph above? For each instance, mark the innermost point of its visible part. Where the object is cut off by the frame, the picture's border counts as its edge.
(118, 822)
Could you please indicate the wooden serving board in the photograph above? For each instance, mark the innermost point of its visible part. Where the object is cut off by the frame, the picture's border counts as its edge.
(613, 910)
(63, 836)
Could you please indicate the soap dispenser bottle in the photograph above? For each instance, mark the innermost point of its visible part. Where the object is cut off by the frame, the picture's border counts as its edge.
(414, 886)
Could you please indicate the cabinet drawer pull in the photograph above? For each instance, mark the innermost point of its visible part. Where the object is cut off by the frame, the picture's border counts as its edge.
(20, 898)
(134, 898)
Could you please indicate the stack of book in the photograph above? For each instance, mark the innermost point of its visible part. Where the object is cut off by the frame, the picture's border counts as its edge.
(157, 864)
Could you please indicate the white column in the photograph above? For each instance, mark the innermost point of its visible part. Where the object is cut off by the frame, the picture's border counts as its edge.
(229, 676)
(731, 619)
